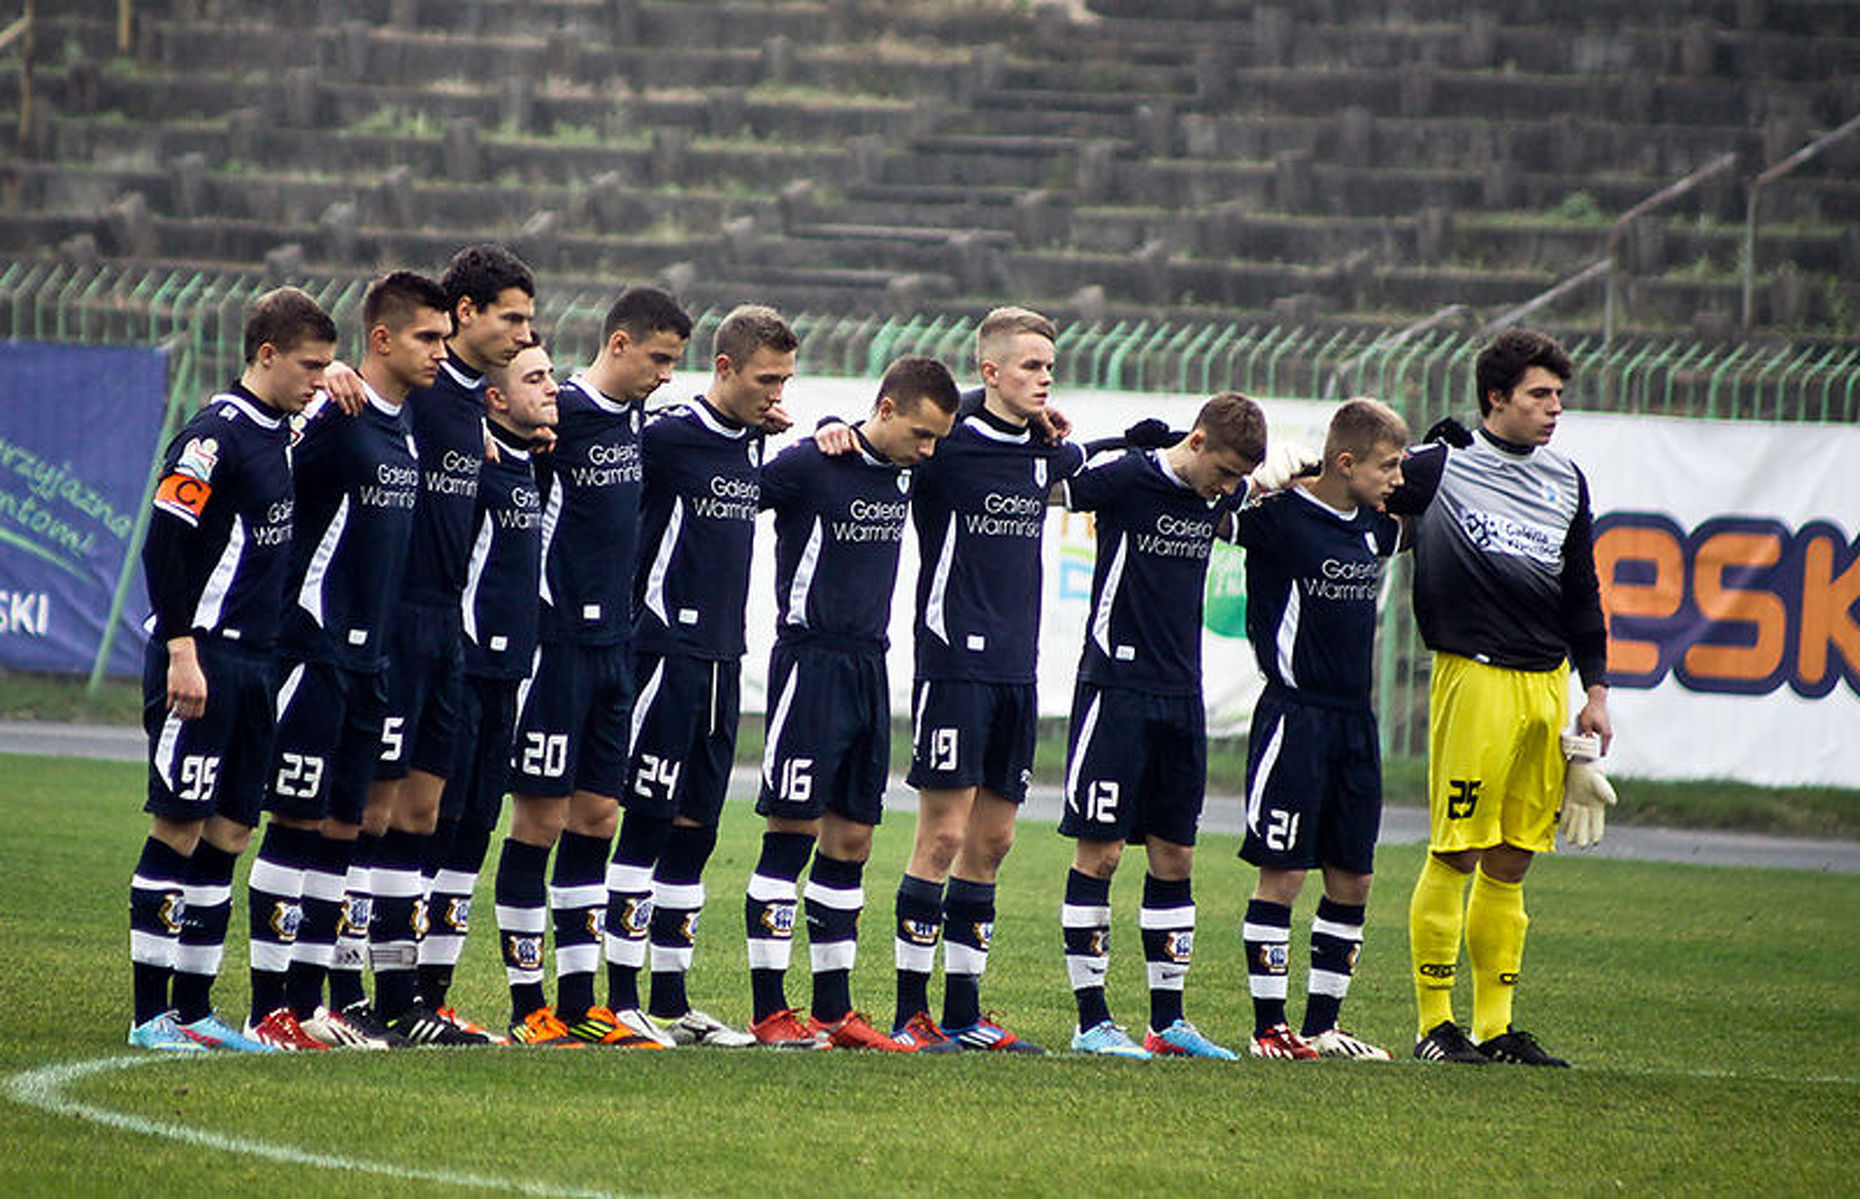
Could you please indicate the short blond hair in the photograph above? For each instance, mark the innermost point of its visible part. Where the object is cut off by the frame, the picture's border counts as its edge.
(1360, 424)
(1003, 323)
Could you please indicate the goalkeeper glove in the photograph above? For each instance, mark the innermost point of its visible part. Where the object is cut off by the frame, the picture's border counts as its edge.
(1449, 431)
(1587, 793)
(1283, 464)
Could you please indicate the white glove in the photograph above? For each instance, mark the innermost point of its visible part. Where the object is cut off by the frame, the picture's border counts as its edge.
(1587, 793)
(1283, 464)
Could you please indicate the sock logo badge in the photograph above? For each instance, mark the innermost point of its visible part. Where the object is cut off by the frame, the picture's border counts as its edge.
(778, 919)
(1274, 958)
(596, 922)
(1443, 971)
(286, 918)
(524, 951)
(458, 913)
(1100, 945)
(173, 912)
(1179, 946)
(687, 928)
(635, 917)
(919, 932)
(422, 919)
(984, 931)
(357, 913)
(1508, 978)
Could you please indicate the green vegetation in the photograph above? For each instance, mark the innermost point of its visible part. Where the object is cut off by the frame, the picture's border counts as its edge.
(1652, 978)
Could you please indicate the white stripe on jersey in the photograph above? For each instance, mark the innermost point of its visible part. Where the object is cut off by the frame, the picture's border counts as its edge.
(288, 691)
(777, 723)
(474, 577)
(1107, 599)
(220, 581)
(939, 585)
(552, 512)
(310, 595)
(662, 563)
(804, 577)
(1287, 639)
(1266, 762)
(643, 705)
(1086, 729)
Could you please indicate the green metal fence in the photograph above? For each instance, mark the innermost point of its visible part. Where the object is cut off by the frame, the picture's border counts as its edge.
(1425, 374)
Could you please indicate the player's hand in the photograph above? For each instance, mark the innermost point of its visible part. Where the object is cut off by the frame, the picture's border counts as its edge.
(1449, 431)
(1594, 718)
(835, 437)
(491, 453)
(1587, 793)
(187, 683)
(776, 420)
(1150, 434)
(1051, 421)
(543, 441)
(345, 388)
(1283, 464)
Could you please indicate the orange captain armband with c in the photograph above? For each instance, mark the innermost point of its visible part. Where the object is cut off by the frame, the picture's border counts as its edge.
(185, 490)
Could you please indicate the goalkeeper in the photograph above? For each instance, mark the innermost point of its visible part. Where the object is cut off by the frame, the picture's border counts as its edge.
(1506, 596)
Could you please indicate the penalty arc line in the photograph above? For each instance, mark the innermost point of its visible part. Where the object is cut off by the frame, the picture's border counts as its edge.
(44, 1089)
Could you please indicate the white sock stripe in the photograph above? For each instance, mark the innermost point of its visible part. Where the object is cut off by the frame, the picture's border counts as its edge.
(1343, 932)
(1167, 976)
(198, 959)
(457, 882)
(840, 899)
(1328, 982)
(274, 879)
(142, 882)
(1177, 917)
(152, 949)
(523, 921)
(319, 885)
(629, 880)
(587, 895)
(201, 896)
(272, 956)
(623, 952)
(963, 959)
(577, 959)
(832, 955)
(667, 959)
(314, 953)
(1270, 934)
(908, 955)
(680, 897)
(1085, 972)
(770, 953)
(440, 949)
(396, 884)
(764, 888)
(520, 977)
(1266, 986)
(1078, 915)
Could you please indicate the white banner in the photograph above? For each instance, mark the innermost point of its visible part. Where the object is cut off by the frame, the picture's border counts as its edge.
(1727, 550)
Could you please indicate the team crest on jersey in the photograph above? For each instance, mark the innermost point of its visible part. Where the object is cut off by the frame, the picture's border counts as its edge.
(458, 914)
(1273, 958)
(524, 951)
(1039, 472)
(634, 418)
(904, 482)
(1179, 946)
(286, 918)
(755, 452)
(358, 911)
(778, 919)
(918, 932)
(173, 912)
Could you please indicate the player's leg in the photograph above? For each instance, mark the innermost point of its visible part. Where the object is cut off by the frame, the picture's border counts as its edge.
(1100, 774)
(769, 906)
(1348, 825)
(1468, 744)
(657, 734)
(1287, 773)
(549, 708)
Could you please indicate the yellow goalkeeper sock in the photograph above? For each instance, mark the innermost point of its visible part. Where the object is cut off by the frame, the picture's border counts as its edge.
(1495, 924)
(1434, 916)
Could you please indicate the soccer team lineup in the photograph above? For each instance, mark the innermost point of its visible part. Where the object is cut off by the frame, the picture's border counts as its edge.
(400, 600)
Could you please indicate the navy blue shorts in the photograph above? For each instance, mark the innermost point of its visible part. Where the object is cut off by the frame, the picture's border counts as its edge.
(829, 734)
(329, 736)
(1136, 766)
(973, 735)
(572, 721)
(683, 737)
(480, 776)
(426, 661)
(1313, 786)
(216, 763)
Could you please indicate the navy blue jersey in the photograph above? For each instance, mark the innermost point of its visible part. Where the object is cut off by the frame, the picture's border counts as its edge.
(590, 485)
(499, 610)
(448, 426)
(1154, 535)
(219, 542)
(839, 523)
(1312, 576)
(357, 482)
(980, 510)
(697, 524)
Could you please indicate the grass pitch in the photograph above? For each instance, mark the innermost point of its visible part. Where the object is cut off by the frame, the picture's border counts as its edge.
(1712, 1014)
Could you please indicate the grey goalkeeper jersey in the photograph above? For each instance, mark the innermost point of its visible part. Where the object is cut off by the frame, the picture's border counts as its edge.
(1504, 562)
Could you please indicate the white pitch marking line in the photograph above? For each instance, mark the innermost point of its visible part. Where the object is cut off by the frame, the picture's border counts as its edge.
(44, 1089)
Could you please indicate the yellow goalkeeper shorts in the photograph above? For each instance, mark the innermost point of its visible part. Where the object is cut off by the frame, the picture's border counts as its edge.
(1494, 755)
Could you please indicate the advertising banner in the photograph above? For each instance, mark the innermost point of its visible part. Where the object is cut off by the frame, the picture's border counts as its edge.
(78, 426)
